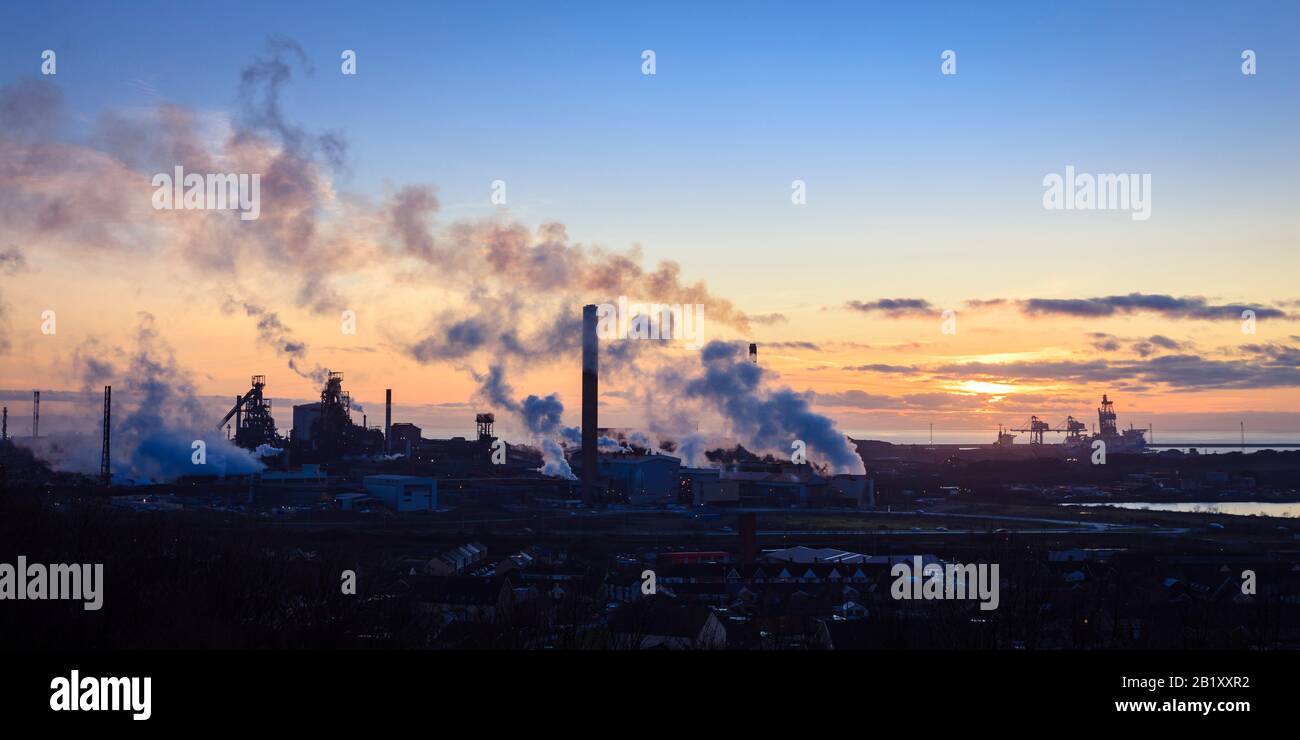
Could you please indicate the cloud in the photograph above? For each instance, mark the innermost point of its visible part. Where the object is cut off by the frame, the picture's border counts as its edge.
(810, 346)
(1143, 347)
(894, 308)
(272, 333)
(1156, 342)
(938, 401)
(1187, 307)
(882, 368)
(1265, 366)
(766, 319)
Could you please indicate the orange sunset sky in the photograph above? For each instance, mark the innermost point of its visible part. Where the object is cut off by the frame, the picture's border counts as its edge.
(924, 195)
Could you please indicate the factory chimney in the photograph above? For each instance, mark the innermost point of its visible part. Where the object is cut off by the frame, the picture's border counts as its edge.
(4, 425)
(36, 414)
(590, 376)
(753, 353)
(388, 420)
(105, 470)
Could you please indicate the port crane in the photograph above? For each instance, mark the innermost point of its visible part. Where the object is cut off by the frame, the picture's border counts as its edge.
(1073, 429)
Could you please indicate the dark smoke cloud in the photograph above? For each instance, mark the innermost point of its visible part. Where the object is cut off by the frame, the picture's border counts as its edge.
(261, 85)
(5, 342)
(95, 364)
(307, 235)
(542, 416)
(763, 418)
(544, 262)
(305, 232)
(494, 331)
(409, 214)
(156, 419)
(11, 261)
(274, 334)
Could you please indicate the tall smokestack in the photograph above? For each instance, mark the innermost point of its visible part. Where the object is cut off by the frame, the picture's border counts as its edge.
(590, 387)
(105, 469)
(388, 420)
(4, 425)
(753, 353)
(36, 414)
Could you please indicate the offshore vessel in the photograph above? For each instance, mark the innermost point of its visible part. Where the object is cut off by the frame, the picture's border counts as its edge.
(1126, 441)
(1078, 443)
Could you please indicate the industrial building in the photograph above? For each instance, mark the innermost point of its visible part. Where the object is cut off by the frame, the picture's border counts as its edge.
(324, 431)
(403, 439)
(403, 493)
(641, 480)
(254, 424)
(703, 487)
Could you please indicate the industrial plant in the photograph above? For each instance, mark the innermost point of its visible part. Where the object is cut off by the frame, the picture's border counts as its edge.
(473, 541)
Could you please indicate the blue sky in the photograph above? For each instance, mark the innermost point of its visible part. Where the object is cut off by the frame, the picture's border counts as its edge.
(549, 97)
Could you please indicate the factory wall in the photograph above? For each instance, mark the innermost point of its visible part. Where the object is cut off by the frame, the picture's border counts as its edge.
(404, 492)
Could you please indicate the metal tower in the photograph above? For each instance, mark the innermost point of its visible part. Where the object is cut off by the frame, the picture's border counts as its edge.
(105, 470)
(1106, 418)
(485, 422)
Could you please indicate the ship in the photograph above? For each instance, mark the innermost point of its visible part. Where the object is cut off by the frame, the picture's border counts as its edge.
(1077, 444)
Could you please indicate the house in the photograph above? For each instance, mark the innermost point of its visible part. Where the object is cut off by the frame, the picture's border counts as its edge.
(457, 560)
(801, 554)
(850, 610)
(658, 622)
(1082, 554)
(693, 556)
(834, 634)
(461, 597)
(623, 586)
